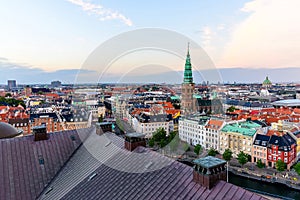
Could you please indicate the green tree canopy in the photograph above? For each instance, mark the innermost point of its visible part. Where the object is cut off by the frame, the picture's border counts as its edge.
(11, 102)
(227, 155)
(151, 142)
(197, 149)
(159, 135)
(231, 109)
(297, 168)
(242, 158)
(280, 165)
(212, 152)
(260, 164)
(8, 95)
(100, 119)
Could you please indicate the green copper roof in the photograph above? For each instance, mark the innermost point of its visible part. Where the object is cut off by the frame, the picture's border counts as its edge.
(197, 96)
(209, 162)
(267, 81)
(175, 98)
(188, 75)
(246, 128)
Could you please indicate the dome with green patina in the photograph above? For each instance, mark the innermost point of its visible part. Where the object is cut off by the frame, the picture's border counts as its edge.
(267, 81)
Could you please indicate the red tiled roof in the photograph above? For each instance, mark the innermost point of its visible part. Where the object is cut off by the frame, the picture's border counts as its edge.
(274, 132)
(3, 107)
(53, 95)
(297, 110)
(214, 124)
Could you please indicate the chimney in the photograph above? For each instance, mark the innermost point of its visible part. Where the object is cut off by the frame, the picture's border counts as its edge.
(102, 127)
(133, 140)
(208, 171)
(40, 133)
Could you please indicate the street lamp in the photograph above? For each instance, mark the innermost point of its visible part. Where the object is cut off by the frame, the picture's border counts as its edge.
(227, 171)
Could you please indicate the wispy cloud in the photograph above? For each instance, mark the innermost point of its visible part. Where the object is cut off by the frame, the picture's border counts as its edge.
(269, 36)
(102, 13)
(207, 35)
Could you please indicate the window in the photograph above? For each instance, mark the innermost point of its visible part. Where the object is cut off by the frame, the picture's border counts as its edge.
(41, 160)
(73, 137)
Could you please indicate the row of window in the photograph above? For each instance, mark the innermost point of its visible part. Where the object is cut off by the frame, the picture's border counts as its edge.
(279, 152)
(19, 124)
(257, 153)
(275, 159)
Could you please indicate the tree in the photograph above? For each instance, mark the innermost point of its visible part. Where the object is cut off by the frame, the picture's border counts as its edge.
(280, 165)
(8, 95)
(197, 149)
(242, 158)
(231, 109)
(151, 142)
(172, 135)
(159, 134)
(297, 168)
(260, 164)
(212, 152)
(162, 143)
(227, 155)
(100, 119)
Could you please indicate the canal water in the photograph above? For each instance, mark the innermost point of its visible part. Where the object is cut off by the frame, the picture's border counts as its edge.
(278, 190)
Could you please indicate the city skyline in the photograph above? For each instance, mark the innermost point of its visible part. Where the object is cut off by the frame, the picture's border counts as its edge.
(55, 37)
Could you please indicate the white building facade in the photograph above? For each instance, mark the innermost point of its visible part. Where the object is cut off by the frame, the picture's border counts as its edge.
(200, 130)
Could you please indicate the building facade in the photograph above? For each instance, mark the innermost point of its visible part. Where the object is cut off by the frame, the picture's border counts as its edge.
(283, 147)
(201, 130)
(238, 136)
(149, 124)
(259, 149)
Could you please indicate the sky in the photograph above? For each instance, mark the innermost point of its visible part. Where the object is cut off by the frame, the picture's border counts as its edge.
(52, 36)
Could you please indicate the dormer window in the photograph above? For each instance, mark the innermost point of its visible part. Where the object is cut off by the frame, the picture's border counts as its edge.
(41, 160)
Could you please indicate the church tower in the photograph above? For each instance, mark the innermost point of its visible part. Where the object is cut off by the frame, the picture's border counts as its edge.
(187, 87)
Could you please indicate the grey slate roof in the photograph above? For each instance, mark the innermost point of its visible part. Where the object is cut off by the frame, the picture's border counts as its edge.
(261, 140)
(102, 169)
(21, 174)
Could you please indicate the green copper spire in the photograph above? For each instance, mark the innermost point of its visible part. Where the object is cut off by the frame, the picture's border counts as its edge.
(188, 75)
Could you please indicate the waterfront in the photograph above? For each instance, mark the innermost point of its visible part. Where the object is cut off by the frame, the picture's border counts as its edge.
(278, 190)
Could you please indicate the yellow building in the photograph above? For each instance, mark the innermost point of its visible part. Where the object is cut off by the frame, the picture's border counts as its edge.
(238, 137)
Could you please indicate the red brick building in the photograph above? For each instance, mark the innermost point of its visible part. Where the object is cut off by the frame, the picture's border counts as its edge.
(281, 146)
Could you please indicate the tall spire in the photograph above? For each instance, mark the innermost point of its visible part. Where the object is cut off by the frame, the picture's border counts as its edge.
(188, 52)
(188, 75)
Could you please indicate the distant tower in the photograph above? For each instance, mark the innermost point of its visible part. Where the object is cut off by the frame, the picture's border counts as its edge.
(11, 84)
(187, 87)
(27, 91)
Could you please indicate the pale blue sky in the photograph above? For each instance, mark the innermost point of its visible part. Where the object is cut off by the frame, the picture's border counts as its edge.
(60, 34)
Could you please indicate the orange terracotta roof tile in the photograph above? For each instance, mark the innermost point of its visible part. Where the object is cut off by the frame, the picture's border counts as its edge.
(214, 124)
